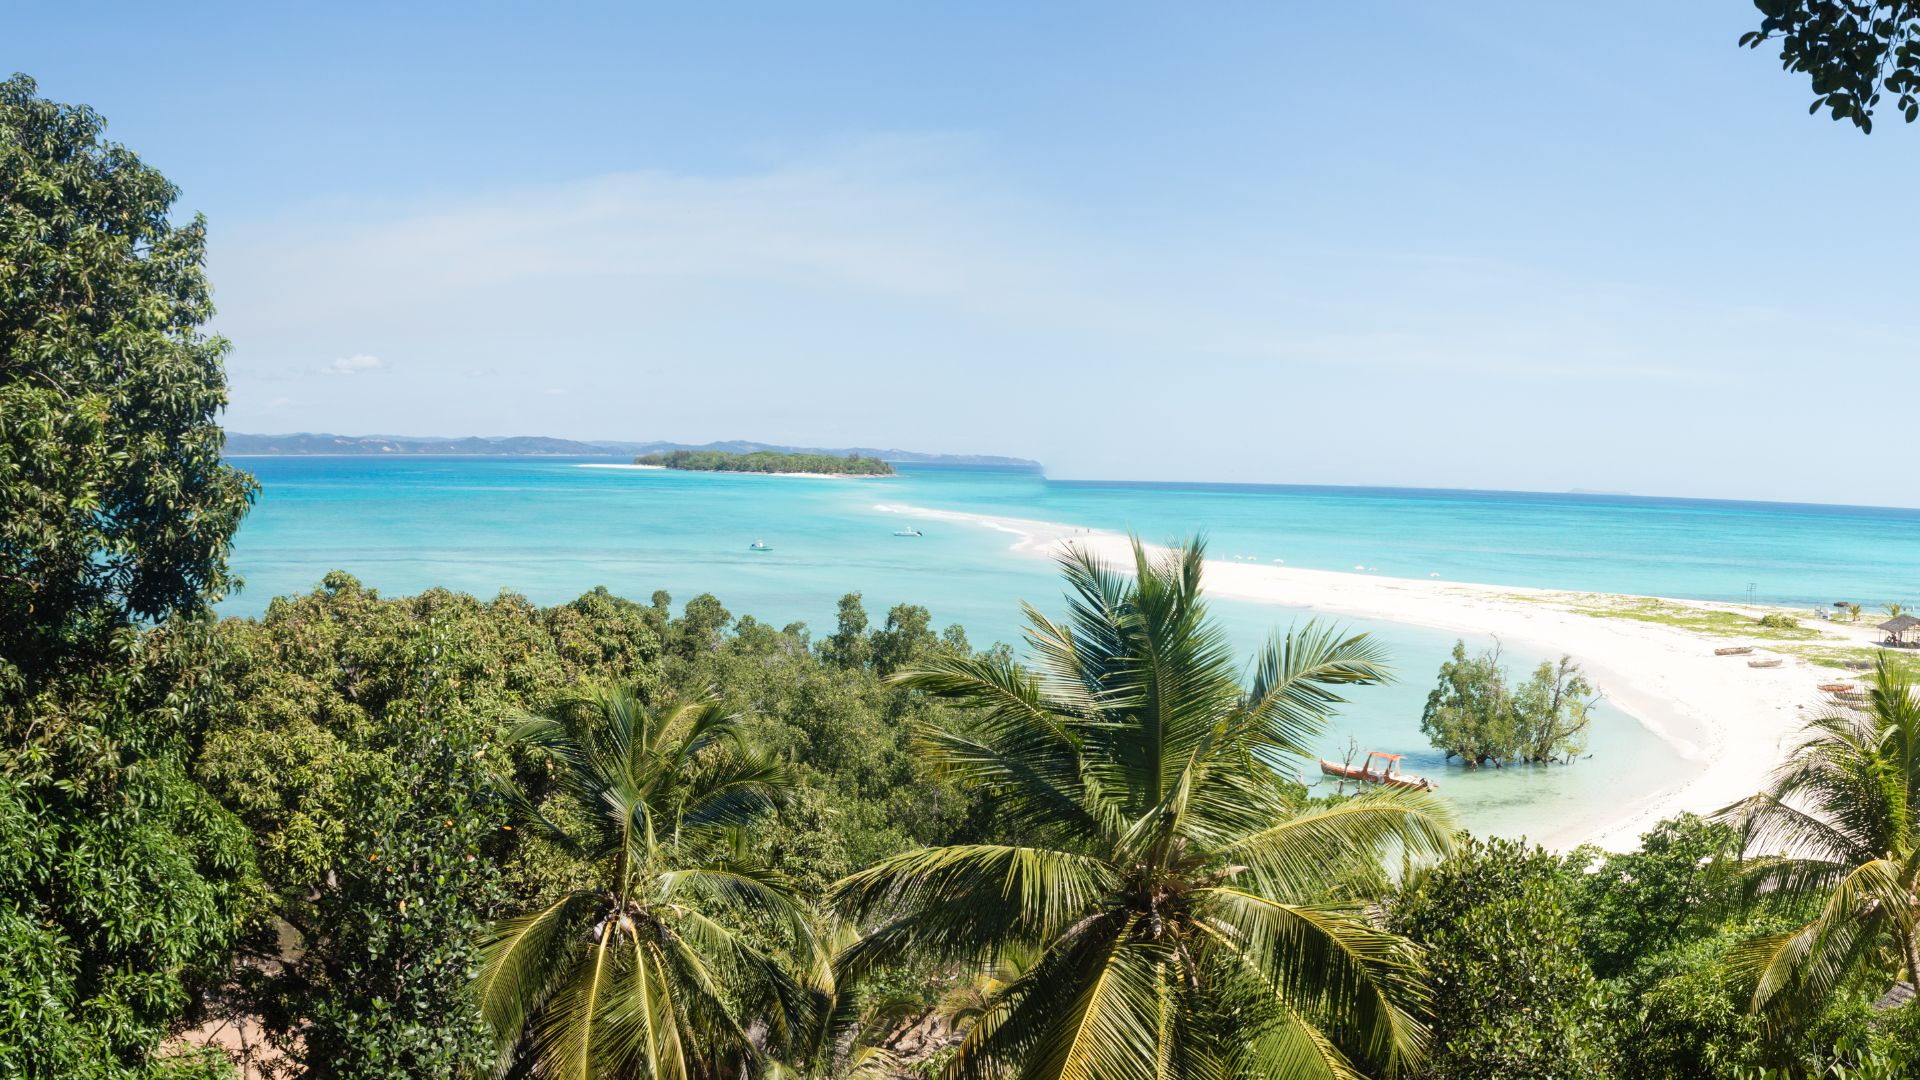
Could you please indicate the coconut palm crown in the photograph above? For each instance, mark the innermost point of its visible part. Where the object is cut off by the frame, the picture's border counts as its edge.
(642, 974)
(1839, 830)
(1174, 890)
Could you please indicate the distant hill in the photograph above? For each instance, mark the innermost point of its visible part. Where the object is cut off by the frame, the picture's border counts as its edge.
(241, 443)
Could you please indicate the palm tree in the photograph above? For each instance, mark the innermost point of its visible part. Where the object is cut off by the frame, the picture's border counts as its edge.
(1853, 612)
(849, 1028)
(1893, 610)
(641, 975)
(1840, 827)
(1178, 893)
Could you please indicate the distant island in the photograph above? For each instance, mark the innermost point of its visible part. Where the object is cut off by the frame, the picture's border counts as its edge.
(303, 443)
(768, 461)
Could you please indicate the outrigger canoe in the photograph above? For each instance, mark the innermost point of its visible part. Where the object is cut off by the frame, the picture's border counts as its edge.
(1388, 772)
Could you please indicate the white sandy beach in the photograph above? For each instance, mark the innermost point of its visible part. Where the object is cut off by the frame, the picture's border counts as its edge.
(1731, 721)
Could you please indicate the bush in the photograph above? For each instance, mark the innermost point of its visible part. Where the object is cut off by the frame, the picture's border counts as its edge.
(1511, 993)
(1778, 621)
(1634, 905)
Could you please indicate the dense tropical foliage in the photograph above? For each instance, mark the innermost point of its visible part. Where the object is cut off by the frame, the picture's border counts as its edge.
(444, 837)
(116, 506)
(1505, 967)
(122, 883)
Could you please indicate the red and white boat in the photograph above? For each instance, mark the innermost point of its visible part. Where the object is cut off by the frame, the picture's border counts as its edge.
(1388, 772)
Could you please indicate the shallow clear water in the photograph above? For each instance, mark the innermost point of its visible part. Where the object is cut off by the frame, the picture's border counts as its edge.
(551, 530)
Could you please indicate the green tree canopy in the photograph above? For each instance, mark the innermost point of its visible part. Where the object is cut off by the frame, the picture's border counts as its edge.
(1475, 715)
(114, 503)
(1511, 995)
(122, 882)
(1853, 52)
(1634, 904)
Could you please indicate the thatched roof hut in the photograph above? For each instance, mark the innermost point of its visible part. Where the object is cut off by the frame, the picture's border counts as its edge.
(1901, 630)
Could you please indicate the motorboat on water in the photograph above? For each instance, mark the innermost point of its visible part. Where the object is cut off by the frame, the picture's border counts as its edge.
(759, 545)
(908, 531)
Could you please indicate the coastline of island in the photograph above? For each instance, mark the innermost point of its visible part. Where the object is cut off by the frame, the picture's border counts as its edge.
(768, 463)
(789, 475)
(312, 444)
(1731, 723)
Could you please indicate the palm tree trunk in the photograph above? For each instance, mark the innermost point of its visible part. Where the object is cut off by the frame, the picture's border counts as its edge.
(1911, 951)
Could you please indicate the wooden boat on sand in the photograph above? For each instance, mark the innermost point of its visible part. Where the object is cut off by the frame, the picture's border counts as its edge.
(1835, 688)
(1733, 650)
(1770, 662)
(1387, 773)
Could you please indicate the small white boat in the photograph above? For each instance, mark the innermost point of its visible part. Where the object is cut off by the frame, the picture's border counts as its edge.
(759, 545)
(908, 531)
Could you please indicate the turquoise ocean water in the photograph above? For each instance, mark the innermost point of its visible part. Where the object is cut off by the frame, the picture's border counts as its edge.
(548, 529)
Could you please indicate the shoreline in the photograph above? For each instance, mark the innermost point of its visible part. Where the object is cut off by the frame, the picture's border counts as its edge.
(740, 472)
(1733, 723)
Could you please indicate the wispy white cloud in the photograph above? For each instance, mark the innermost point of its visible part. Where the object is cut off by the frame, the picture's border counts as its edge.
(817, 292)
(905, 216)
(923, 226)
(353, 365)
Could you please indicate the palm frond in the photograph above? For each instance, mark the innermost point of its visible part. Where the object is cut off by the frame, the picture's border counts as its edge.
(1766, 822)
(736, 791)
(635, 978)
(1113, 1029)
(1010, 1034)
(1301, 855)
(1325, 962)
(1039, 783)
(1294, 684)
(1278, 1042)
(521, 959)
(1811, 961)
(1019, 892)
(789, 1006)
(568, 1029)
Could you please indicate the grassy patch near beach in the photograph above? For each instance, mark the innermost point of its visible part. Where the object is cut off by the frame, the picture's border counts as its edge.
(1838, 656)
(1701, 620)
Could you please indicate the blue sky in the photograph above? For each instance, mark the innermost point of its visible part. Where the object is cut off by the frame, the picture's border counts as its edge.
(1520, 245)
